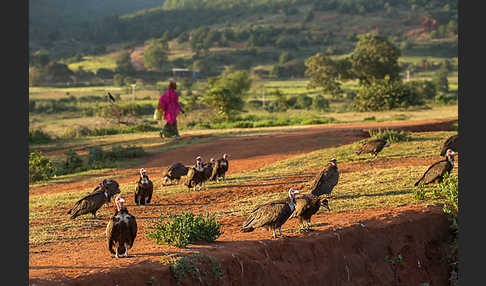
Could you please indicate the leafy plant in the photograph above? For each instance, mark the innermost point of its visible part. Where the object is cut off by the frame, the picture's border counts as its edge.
(184, 229)
(195, 264)
(390, 135)
(40, 167)
(37, 136)
(419, 193)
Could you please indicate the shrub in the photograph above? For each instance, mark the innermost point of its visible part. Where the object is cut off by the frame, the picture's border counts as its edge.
(256, 104)
(419, 193)
(200, 266)
(37, 136)
(386, 94)
(424, 87)
(445, 98)
(73, 162)
(389, 135)
(303, 102)
(319, 103)
(40, 167)
(184, 229)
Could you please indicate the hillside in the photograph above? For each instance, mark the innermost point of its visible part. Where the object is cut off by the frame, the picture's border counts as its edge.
(244, 32)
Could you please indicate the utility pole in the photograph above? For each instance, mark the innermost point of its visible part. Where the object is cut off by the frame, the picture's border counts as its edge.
(263, 86)
(133, 91)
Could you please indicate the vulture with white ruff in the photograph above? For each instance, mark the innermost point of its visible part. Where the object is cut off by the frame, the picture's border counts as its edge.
(372, 147)
(93, 201)
(451, 143)
(144, 190)
(271, 215)
(306, 205)
(121, 230)
(436, 172)
(326, 180)
(174, 172)
(220, 168)
(195, 175)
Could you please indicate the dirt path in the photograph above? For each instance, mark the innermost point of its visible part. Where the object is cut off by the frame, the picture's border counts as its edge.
(83, 257)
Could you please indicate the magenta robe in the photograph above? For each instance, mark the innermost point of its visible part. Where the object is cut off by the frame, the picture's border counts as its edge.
(169, 101)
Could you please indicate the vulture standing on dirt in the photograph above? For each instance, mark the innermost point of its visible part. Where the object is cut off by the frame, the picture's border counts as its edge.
(306, 205)
(92, 202)
(121, 229)
(208, 169)
(175, 172)
(195, 175)
(271, 215)
(325, 182)
(451, 143)
(373, 147)
(220, 169)
(144, 190)
(436, 171)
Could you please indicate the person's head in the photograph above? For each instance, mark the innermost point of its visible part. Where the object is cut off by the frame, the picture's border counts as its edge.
(172, 85)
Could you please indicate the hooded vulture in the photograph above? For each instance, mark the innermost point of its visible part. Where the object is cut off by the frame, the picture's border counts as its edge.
(174, 172)
(195, 175)
(436, 171)
(325, 181)
(209, 169)
(144, 190)
(92, 202)
(121, 229)
(373, 147)
(271, 215)
(306, 205)
(451, 143)
(220, 169)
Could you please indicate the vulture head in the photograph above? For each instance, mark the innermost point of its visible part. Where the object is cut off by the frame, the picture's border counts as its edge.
(292, 192)
(199, 165)
(111, 187)
(225, 156)
(212, 161)
(143, 176)
(325, 204)
(450, 155)
(333, 161)
(119, 200)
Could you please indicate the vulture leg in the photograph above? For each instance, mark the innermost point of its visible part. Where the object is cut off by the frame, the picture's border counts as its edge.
(116, 254)
(280, 230)
(274, 234)
(94, 215)
(126, 250)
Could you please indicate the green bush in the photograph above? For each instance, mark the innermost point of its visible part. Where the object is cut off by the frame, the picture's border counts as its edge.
(73, 162)
(319, 103)
(40, 168)
(386, 94)
(390, 135)
(184, 229)
(37, 136)
(303, 102)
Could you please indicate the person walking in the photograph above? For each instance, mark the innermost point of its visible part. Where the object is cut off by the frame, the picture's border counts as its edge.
(169, 103)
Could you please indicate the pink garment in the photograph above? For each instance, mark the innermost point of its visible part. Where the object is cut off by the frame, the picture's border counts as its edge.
(169, 101)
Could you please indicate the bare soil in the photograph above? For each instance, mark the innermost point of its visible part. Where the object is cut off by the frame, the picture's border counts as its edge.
(347, 248)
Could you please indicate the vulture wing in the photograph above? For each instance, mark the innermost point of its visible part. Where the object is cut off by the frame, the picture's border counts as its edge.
(302, 204)
(266, 214)
(89, 203)
(178, 171)
(214, 173)
(112, 230)
(132, 226)
(325, 181)
(189, 178)
(435, 172)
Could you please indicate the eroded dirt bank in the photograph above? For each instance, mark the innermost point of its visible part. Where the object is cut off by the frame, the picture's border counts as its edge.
(351, 254)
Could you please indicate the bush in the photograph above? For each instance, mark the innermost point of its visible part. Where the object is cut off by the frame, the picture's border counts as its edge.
(445, 98)
(319, 103)
(303, 102)
(73, 162)
(184, 229)
(40, 167)
(390, 136)
(37, 136)
(386, 94)
(424, 87)
(255, 104)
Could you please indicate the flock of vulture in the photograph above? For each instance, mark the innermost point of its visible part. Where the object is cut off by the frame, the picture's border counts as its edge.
(122, 226)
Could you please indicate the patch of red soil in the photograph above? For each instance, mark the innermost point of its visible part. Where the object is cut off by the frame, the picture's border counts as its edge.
(347, 248)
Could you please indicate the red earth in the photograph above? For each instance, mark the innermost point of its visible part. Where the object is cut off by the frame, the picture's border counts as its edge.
(347, 248)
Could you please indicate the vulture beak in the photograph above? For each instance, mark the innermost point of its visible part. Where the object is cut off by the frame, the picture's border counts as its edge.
(326, 205)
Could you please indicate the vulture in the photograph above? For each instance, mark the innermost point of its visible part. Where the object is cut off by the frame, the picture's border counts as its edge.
(196, 175)
(144, 190)
(208, 169)
(451, 143)
(373, 147)
(325, 181)
(175, 172)
(306, 205)
(93, 201)
(436, 171)
(121, 229)
(220, 169)
(271, 215)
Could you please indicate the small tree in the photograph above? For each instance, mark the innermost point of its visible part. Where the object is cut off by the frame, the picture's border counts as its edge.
(155, 54)
(319, 103)
(124, 64)
(224, 101)
(40, 167)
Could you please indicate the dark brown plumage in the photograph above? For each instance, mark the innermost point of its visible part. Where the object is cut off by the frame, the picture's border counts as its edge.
(306, 205)
(220, 169)
(121, 230)
(372, 147)
(93, 201)
(174, 172)
(208, 169)
(451, 143)
(436, 171)
(271, 215)
(144, 190)
(326, 180)
(195, 175)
